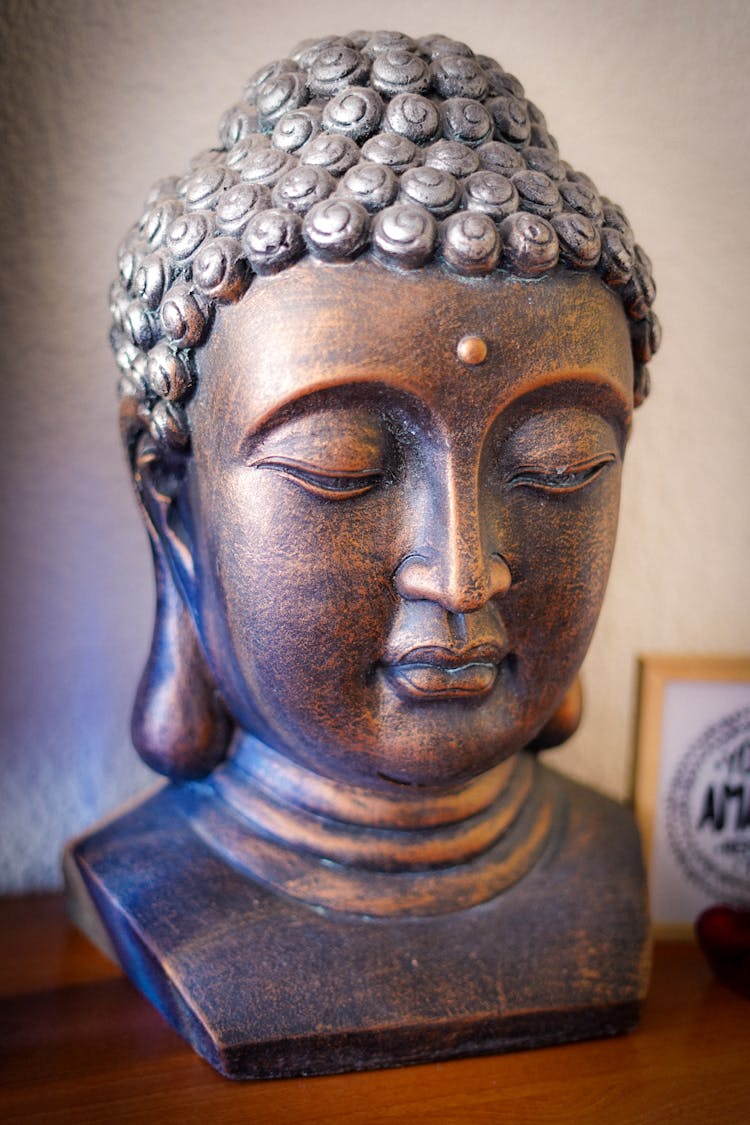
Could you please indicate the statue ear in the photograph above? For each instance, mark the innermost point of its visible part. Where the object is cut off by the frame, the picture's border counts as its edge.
(158, 477)
(564, 722)
(180, 726)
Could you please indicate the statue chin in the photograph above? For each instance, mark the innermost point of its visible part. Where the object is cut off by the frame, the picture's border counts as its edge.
(378, 366)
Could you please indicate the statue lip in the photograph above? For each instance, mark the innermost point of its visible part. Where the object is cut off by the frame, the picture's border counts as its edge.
(439, 673)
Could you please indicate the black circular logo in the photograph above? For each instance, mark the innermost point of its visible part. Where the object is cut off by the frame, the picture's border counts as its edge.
(708, 810)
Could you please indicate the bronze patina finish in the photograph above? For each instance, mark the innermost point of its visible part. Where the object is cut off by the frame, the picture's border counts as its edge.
(379, 355)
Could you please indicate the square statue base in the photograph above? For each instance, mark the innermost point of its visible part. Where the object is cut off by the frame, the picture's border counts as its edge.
(264, 986)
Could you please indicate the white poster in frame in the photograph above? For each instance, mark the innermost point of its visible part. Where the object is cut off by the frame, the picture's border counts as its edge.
(692, 785)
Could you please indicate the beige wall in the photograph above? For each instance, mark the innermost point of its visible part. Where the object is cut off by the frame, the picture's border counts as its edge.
(100, 98)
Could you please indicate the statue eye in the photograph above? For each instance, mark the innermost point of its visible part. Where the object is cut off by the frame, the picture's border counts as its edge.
(564, 478)
(333, 453)
(328, 483)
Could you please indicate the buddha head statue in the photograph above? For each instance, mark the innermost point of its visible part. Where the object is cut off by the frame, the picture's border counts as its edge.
(378, 352)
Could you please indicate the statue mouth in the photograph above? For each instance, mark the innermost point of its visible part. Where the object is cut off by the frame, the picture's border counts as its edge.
(433, 672)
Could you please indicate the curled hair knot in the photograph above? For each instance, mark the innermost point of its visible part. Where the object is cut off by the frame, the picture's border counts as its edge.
(273, 240)
(530, 245)
(470, 242)
(413, 151)
(336, 229)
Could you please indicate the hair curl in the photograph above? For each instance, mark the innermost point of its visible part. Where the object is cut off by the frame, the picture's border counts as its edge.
(410, 150)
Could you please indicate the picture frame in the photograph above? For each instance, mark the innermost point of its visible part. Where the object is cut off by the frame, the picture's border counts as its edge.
(692, 784)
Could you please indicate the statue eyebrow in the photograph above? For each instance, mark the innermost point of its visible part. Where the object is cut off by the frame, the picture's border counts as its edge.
(604, 396)
(340, 396)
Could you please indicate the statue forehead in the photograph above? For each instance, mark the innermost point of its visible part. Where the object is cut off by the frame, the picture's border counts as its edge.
(317, 325)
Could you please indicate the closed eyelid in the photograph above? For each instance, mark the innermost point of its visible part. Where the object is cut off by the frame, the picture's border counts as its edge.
(564, 435)
(551, 418)
(329, 443)
(379, 413)
(294, 464)
(566, 477)
(325, 483)
(566, 465)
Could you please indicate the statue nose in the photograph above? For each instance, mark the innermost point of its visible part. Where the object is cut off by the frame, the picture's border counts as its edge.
(457, 579)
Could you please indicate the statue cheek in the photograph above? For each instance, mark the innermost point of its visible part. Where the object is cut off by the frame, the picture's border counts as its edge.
(560, 554)
(300, 609)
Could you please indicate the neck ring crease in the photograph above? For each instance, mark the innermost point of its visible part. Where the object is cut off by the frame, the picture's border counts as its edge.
(349, 849)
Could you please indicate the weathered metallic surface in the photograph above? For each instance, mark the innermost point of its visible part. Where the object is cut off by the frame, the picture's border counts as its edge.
(263, 986)
(379, 354)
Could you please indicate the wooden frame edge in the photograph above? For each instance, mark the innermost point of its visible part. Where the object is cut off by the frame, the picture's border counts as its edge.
(655, 670)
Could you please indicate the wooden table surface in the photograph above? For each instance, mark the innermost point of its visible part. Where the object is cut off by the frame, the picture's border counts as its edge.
(78, 1044)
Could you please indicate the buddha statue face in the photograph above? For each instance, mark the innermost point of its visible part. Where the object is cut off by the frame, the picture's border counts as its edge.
(379, 351)
(395, 558)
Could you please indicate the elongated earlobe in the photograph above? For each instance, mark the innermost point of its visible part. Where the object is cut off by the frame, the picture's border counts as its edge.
(564, 722)
(180, 727)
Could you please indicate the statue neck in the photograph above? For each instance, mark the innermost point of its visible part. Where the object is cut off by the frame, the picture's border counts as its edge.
(350, 848)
